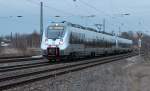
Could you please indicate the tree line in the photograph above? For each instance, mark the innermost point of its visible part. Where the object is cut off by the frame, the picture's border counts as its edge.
(22, 41)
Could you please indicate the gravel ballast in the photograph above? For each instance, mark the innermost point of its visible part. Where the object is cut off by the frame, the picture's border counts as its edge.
(132, 74)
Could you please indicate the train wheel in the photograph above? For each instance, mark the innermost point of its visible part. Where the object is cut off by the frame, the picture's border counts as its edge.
(105, 53)
(71, 57)
(92, 54)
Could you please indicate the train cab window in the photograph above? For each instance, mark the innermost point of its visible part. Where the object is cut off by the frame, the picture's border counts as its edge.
(55, 32)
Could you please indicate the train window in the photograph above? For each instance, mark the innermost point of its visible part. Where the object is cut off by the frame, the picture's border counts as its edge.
(52, 34)
(71, 39)
(77, 38)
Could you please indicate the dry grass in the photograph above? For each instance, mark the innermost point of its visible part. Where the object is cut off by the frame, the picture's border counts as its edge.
(9, 52)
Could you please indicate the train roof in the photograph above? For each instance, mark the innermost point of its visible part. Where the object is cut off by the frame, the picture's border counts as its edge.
(82, 27)
(120, 39)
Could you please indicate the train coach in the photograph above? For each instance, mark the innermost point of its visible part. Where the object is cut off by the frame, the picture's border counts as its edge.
(68, 40)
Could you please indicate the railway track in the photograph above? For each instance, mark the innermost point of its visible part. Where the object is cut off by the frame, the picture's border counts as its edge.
(19, 58)
(10, 57)
(23, 74)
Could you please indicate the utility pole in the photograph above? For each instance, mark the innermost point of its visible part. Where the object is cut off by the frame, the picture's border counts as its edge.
(104, 23)
(41, 21)
(119, 33)
(11, 36)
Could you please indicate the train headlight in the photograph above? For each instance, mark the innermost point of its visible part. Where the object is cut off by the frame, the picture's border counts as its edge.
(46, 41)
(61, 42)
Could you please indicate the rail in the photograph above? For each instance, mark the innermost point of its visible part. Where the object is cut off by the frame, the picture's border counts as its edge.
(35, 73)
(19, 58)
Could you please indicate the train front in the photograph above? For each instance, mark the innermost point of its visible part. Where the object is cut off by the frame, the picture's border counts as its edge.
(54, 41)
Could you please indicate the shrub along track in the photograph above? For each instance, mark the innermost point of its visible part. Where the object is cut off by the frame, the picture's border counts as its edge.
(11, 77)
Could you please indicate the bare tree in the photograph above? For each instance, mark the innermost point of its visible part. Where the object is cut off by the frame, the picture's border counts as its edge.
(34, 40)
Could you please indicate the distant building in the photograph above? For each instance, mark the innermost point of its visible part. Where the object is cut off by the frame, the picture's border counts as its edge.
(5, 43)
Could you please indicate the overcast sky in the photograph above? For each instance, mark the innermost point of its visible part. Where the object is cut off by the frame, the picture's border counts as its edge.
(74, 11)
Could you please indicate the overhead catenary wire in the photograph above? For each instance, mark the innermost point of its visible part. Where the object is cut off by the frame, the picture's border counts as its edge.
(71, 14)
(52, 8)
(94, 8)
(97, 10)
(78, 6)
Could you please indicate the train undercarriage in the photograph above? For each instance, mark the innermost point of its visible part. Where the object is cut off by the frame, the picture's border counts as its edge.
(54, 54)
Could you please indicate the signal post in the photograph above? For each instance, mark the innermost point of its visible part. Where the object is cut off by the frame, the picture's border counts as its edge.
(140, 35)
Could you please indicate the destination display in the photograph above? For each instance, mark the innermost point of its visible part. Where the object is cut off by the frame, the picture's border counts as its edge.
(56, 27)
